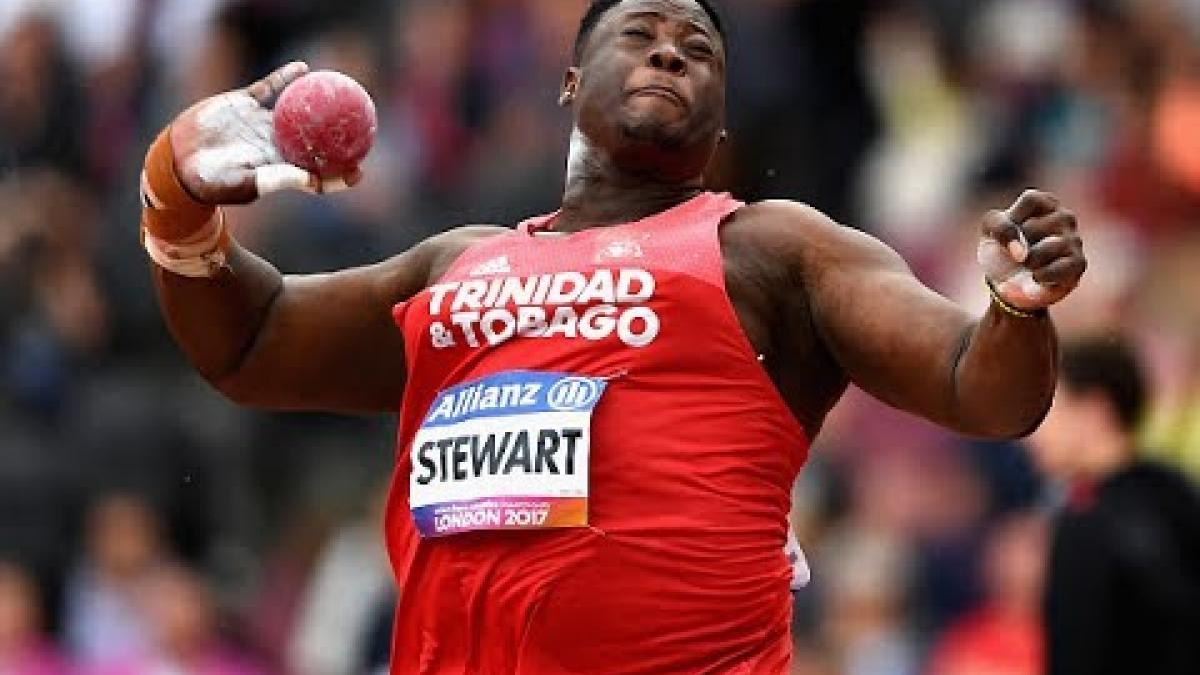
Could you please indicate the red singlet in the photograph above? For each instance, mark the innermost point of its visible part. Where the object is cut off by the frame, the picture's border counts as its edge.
(680, 566)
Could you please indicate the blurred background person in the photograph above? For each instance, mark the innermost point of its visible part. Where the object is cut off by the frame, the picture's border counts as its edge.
(25, 649)
(104, 621)
(865, 603)
(1003, 635)
(1123, 594)
(351, 579)
(181, 630)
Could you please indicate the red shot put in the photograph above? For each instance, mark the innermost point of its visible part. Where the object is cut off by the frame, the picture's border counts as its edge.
(325, 123)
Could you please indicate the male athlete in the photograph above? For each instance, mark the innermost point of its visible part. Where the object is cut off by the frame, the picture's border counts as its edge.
(603, 409)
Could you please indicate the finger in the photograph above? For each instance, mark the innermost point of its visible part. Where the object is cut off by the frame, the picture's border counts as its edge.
(1064, 272)
(1060, 222)
(238, 188)
(1023, 292)
(331, 185)
(1031, 204)
(999, 226)
(1048, 250)
(280, 177)
(341, 183)
(266, 90)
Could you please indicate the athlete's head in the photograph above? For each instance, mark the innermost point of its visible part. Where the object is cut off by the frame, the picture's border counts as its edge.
(648, 83)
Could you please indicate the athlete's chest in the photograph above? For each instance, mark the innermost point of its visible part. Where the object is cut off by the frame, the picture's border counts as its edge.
(594, 286)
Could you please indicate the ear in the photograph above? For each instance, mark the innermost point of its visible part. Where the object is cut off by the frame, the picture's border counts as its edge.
(570, 85)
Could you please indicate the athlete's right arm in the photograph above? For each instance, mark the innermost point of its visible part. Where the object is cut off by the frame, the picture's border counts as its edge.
(315, 342)
(318, 342)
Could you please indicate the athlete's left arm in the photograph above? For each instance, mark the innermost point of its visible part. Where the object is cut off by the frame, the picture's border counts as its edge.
(991, 376)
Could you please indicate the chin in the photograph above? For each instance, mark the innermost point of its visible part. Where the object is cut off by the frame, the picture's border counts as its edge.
(660, 133)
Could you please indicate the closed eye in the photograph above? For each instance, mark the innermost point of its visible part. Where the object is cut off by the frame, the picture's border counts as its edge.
(638, 32)
(700, 49)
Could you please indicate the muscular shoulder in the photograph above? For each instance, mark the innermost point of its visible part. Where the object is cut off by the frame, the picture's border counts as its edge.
(443, 249)
(409, 272)
(803, 238)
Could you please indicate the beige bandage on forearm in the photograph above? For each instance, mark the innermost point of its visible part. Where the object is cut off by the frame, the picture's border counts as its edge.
(179, 233)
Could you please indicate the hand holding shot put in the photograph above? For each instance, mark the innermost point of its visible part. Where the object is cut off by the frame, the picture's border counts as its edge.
(291, 130)
(567, 500)
(238, 146)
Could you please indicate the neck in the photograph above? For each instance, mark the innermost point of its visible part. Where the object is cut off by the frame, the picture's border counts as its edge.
(600, 193)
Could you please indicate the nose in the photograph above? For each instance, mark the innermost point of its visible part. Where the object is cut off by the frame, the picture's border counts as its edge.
(664, 56)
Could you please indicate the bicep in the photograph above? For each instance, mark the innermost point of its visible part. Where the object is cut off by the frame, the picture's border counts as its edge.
(328, 342)
(893, 336)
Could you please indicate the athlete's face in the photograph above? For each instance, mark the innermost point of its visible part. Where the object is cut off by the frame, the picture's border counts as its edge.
(651, 85)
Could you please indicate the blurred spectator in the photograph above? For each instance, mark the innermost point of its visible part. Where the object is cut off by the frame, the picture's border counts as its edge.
(124, 547)
(1168, 323)
(1004, 635)
(864, 603)
(433, 45)
(286, 568)
(808, 659)
(41, 111)
(1123, 594)
(181, 630)
(24, 649)
(952, 505)
(48, 256)
(350, 580)
(377, 647)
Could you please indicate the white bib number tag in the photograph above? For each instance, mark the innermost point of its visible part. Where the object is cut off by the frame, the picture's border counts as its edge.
(506, 452)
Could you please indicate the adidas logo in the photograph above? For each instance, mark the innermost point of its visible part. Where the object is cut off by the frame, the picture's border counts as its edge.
(621, 249)
(494, 266)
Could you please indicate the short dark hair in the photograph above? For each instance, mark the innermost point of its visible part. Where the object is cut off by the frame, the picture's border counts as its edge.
(1108, 365)
(598, 8)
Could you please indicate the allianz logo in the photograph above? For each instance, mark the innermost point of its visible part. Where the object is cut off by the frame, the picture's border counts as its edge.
(573, 393)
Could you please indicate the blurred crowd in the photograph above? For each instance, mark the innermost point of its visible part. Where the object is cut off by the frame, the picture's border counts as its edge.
(146, 525)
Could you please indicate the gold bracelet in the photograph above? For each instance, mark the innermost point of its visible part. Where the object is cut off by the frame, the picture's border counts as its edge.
(1007, 308)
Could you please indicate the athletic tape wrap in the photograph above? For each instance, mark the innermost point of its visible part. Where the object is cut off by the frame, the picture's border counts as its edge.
(201, 256)
(180, 234)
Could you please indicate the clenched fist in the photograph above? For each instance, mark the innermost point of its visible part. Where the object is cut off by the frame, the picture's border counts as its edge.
(1031, 253)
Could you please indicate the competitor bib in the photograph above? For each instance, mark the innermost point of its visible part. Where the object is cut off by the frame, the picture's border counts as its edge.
(506, 452)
